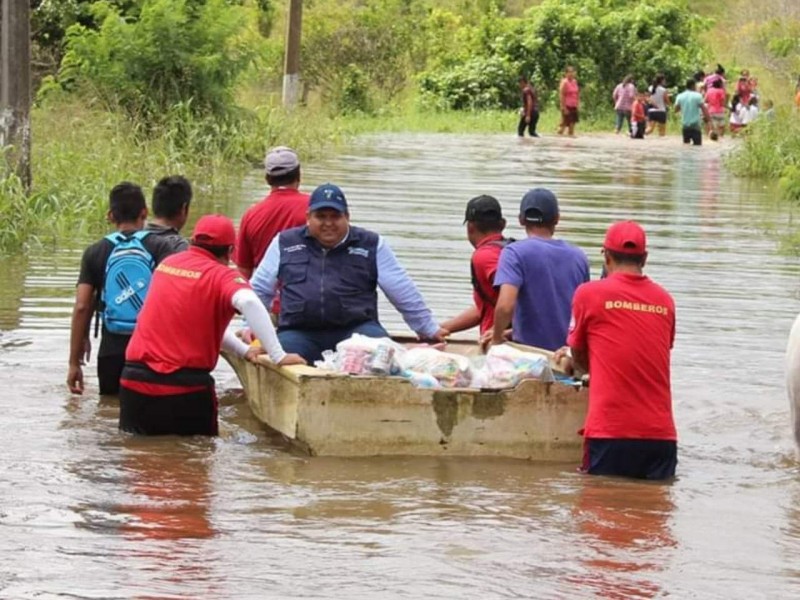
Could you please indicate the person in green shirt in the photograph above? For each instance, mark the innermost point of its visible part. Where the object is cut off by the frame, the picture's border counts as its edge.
(689, 104)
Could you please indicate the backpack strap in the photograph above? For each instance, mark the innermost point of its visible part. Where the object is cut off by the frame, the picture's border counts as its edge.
(502, 243)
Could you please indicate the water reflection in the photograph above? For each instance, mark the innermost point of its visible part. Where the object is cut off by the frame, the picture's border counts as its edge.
(626, 536)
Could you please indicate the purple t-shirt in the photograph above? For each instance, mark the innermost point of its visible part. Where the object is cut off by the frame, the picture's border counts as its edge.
(546, 273)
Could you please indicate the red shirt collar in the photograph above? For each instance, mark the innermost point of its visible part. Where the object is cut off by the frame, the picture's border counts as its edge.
(489, 238)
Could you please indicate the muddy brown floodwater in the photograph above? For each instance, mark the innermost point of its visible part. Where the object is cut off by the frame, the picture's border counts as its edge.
(86, 512)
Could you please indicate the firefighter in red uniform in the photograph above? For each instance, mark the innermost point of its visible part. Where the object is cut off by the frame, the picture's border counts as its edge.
(166, 385)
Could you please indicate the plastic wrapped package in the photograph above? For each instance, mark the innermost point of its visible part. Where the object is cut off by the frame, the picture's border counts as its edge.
(362, 355)
(505, 367)
(450, 370)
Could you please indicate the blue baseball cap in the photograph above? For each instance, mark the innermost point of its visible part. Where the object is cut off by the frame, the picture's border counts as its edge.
(328, 196)
(540, 206)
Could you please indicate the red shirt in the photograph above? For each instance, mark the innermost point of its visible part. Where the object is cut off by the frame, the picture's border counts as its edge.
(281, 209)
(484, 267)
(186, 312)
(637, 112)
(627, 324)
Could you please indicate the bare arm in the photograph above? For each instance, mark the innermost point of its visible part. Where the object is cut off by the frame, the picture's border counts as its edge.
(503, 311)
(467, 319)
(79, 336)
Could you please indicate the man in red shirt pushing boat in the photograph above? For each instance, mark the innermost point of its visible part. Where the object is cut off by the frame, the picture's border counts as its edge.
(622, 332)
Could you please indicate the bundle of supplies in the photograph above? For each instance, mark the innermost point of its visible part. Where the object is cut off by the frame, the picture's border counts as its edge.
(504, 367)
(446, 369)
(362, 355)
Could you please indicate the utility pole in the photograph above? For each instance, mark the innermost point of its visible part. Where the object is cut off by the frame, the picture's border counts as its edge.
(15, 88)
(291, 69)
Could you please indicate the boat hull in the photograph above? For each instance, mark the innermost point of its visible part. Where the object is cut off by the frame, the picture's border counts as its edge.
(330, 414)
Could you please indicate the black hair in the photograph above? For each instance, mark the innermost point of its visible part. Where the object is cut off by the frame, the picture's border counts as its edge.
(626, 259)
(735, 101)
(717, 83)
(699, 76)
(126, 202)
(170, 195)
(690, 84)
(659, 80)
(720, 69)
(217, 251)
(285, 179)
(522, 79)
(494, 226)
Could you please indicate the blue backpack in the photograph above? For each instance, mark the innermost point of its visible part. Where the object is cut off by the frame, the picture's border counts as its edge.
(129, 270)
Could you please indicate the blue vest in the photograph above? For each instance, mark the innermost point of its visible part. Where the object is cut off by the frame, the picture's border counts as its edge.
(323, 289)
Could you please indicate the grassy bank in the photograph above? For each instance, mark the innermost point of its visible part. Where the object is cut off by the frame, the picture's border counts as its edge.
(80, 153)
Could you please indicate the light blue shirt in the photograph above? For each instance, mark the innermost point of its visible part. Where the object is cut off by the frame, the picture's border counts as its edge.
(392, 279)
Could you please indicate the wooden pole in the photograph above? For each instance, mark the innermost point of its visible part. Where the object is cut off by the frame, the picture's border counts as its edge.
(15, 88)
(291, 69)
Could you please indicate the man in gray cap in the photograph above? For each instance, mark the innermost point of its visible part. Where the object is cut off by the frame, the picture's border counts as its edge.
(537, 277)
(283, 208)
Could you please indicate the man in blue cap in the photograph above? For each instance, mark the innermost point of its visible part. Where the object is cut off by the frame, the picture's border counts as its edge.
(537, 277)
(328, 272)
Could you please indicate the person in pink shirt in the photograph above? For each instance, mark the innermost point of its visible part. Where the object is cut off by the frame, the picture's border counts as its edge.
(569, 99)
(716, 100)
(624, 95)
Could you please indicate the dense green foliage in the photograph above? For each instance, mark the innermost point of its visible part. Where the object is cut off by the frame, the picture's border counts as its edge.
(174, 52)
(603, 39)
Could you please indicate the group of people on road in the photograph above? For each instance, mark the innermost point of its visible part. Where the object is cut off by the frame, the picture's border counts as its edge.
(299, 257)
(704, 105)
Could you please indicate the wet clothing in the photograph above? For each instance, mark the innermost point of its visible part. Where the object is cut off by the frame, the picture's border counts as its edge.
(484, 267)
(626, 323)
(715, 100)
(283, 208)
(638, 459)
(177, 242)
(323, 288)
(111, 354)
(183, 402)
(351, 300)
(166, 386)
(546, 272)
(530, 110)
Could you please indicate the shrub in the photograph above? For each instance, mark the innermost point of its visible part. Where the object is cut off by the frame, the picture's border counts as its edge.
(176, 51)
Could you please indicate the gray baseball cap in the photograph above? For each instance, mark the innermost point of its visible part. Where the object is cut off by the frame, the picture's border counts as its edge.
(280, 161)
(539, 205)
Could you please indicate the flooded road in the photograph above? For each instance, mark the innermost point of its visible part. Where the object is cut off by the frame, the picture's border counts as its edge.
(88, 513)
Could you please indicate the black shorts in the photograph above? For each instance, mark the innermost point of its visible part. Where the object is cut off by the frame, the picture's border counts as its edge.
(693, 135)
(109, 369)
(657, 116)
(639, 459)
(179, 403)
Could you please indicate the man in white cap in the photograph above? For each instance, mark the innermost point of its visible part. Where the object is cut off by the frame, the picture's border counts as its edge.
(283, 208)
(537, 277)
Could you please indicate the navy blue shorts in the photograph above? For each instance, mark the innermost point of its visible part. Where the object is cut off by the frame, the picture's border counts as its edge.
(639, 459)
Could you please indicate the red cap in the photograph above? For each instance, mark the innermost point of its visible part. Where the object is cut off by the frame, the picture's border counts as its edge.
(214, 230)
(626, 237)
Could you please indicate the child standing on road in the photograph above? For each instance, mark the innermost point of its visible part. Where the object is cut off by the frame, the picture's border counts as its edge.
(639, 116)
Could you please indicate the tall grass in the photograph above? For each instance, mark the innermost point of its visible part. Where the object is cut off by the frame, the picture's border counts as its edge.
(80, 153)
(771, 149)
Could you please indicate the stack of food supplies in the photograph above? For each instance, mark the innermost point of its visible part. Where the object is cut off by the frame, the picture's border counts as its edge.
(429, 367)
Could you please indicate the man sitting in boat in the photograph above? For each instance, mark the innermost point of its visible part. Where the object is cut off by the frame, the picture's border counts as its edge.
(329, 272)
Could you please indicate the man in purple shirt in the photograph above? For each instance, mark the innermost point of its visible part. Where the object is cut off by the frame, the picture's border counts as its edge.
(537, 277)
